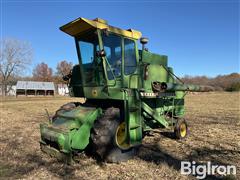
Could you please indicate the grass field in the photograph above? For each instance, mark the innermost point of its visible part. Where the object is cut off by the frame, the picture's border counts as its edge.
(214, 120)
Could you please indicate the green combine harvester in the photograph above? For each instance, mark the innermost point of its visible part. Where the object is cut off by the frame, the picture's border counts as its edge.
(128, 93)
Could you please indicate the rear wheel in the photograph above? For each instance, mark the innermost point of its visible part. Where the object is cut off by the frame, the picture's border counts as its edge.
(108, 138)
(181, 129)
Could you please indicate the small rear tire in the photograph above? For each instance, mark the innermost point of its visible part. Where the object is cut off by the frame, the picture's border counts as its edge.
(181, 129)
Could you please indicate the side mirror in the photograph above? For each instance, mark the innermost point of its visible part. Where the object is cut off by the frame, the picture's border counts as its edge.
(101, 53)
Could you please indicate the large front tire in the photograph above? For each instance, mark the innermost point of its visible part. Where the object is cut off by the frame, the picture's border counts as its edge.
(103, 138)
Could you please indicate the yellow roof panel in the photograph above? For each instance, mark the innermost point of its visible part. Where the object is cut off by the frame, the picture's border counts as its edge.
(82, 24)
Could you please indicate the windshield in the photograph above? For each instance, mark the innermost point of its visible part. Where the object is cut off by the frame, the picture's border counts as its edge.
(112, 48)
(88, 45)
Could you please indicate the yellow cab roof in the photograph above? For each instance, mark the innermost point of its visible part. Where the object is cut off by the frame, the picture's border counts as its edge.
(80, 25)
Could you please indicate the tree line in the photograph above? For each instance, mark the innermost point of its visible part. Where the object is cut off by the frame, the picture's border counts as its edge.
(230, 82)
(42, 72)
(16, 56)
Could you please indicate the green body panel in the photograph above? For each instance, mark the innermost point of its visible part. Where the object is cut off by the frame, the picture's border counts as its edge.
(170, 75)
(80, 136)
(76, 85)
(156, 72)
(133, 117)
(71, 129)
(152, 58)
(179, 104)
(104, 93)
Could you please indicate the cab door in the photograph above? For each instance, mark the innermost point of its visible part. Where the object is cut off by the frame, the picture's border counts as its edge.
(130, 61)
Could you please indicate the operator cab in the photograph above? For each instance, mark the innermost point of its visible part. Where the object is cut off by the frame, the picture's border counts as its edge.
(108, 56)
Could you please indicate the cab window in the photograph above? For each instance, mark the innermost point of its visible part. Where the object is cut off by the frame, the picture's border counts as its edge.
(113, 50)
(130, 62)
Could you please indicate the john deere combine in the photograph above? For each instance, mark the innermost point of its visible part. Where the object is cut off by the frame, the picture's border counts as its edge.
(128, 93)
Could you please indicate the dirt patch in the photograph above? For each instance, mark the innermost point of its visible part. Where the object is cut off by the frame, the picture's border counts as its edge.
(214, 120)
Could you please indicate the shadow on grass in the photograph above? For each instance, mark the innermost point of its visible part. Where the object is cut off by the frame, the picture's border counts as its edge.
(35, 162)
(152, 153)
(168, 134)
(17, 166)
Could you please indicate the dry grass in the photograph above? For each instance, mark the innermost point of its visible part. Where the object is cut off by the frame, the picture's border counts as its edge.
(214, 120)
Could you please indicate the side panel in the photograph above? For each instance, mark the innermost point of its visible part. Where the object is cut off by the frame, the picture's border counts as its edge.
(80, 137)
(155, 72)
(70, 130)
(179, 104)
(152, 58)
(104, 93)
(133, 118)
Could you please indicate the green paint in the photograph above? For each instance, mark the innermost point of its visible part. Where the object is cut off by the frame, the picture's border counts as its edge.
(80, 137)
(124, 75)
(71, 129)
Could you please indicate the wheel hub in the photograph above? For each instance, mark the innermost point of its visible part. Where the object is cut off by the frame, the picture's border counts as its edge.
(183, 130)
(120, 136)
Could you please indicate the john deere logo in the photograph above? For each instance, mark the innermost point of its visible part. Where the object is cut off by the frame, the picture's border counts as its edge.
(94, 92)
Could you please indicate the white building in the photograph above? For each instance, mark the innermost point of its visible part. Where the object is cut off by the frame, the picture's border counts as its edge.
(63, 89)
(35, 88)
(11, 90)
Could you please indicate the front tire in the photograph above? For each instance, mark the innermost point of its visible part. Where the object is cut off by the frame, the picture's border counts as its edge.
(103, 138)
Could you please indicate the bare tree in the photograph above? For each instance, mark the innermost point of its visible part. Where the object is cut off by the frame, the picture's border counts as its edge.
(42, 73)
(63, 68)
(15, 57)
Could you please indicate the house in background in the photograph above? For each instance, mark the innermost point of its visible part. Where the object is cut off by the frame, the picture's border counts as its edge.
(35, 88)
(11, 90)
(63, 89)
